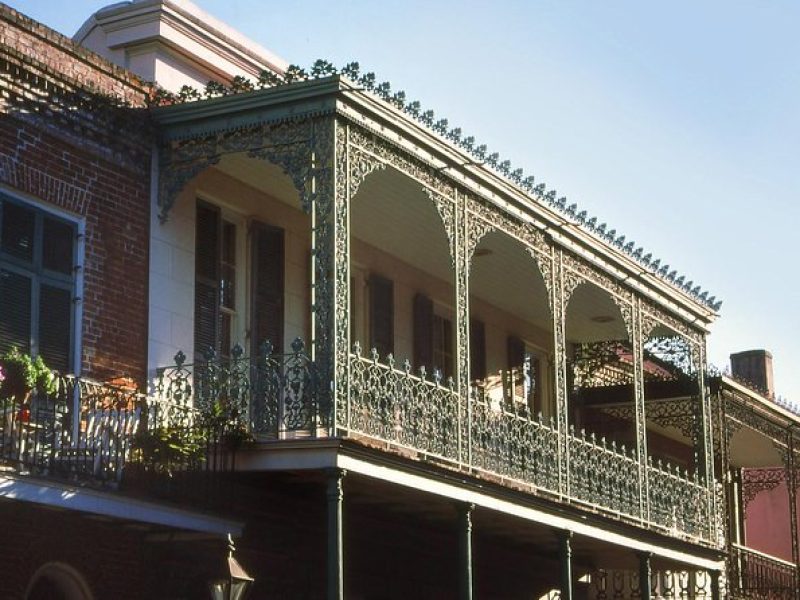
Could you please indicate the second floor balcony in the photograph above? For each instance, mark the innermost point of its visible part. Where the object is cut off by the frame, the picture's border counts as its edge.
(282, 398)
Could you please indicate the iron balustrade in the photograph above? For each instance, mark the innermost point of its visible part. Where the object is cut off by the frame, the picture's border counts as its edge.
(603, 474)
(277, 397)
(678, 500)
(753, 574)
(624, 585)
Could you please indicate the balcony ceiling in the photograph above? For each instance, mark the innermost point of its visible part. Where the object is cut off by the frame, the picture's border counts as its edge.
(262, 176)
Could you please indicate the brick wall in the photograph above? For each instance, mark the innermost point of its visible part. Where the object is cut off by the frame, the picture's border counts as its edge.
(74, 132)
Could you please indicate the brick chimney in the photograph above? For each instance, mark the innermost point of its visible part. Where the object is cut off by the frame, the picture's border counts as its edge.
(754, 367)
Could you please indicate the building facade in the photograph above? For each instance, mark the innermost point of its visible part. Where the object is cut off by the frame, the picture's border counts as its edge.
(303, 312)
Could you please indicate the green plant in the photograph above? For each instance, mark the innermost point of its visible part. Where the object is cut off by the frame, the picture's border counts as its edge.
(167, 449)
(22, 374)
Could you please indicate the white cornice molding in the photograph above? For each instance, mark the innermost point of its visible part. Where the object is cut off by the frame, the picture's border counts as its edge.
(180, 25)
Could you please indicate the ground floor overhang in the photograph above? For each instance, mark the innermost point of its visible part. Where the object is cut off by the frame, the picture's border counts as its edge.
(162, 518)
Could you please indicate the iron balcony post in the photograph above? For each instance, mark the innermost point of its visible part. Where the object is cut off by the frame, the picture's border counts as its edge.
(465, 551)
(645, 573)
(565, 559)
(335, 497)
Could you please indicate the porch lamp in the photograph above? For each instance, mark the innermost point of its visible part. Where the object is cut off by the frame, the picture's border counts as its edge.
(234, 582)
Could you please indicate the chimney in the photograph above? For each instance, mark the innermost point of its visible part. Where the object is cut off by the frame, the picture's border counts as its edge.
(754, 367)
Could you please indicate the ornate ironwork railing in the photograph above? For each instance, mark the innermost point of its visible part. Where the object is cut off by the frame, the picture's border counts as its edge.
(624, 585)
(678, 500)
(278, 397)
(510, 441)
(409, 410)
(752, 574)
(602, 474)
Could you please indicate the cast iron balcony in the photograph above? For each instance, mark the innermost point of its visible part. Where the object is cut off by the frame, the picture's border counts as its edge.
(282, 397)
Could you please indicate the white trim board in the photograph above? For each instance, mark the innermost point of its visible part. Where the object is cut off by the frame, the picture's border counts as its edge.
(453, 492)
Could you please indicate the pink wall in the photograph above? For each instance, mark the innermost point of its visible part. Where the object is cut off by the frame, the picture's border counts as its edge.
(767, 524)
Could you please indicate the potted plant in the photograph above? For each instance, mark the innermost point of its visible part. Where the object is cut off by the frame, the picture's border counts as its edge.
(23, 374)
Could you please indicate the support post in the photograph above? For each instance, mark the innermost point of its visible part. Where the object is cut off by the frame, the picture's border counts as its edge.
(560, 370)
(465, 551)
(637, 342)
(645, 573)
(715, 592)
(335, 496)
(565, 556)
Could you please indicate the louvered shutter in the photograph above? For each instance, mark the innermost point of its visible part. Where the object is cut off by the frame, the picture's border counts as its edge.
(15, 316)
(515, 350)
(477, 350)
(423, 331)
(268, 287)
(55, 327)
(206, 294)
(381, 313)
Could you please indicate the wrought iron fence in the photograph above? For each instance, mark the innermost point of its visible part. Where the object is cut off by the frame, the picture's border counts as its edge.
(277, 396)
(752, 574)
(679, 501)
(509, 440)
(624, 585)
(397, 406)
(603, 474)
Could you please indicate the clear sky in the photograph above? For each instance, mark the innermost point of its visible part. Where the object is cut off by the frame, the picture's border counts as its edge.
(677, 123)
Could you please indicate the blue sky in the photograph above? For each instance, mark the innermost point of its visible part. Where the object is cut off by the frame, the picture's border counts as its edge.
(677, 123)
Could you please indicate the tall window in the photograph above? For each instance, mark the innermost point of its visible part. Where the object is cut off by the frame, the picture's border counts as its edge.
(215, 282)
(37, 283)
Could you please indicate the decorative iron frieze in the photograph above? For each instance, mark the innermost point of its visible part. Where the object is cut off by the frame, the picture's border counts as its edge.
(286, 144)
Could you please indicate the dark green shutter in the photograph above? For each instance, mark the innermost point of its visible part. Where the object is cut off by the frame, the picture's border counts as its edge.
(423, 331)
(15, 316)
(206, 294)
(477, 350)
(268, 287)
(515, 349)
(55, 327)
(381, 313)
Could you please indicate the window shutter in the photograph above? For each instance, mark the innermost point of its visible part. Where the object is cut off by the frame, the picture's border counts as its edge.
(15, 317)
(381, 314)
(477, 350)
(206, 292)
(515, 349)
(268, 287)
(55, 327)
(423, 331)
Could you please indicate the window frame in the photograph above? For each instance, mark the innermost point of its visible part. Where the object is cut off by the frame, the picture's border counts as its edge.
(74, 282)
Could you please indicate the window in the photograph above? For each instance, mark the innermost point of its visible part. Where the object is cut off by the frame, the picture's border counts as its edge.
(433, 338)
(38, 254)
(443, 346)
(381, 315)
(215, 282)
(220, 299)
(525, 377)
(477, 350)
(267, 287)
